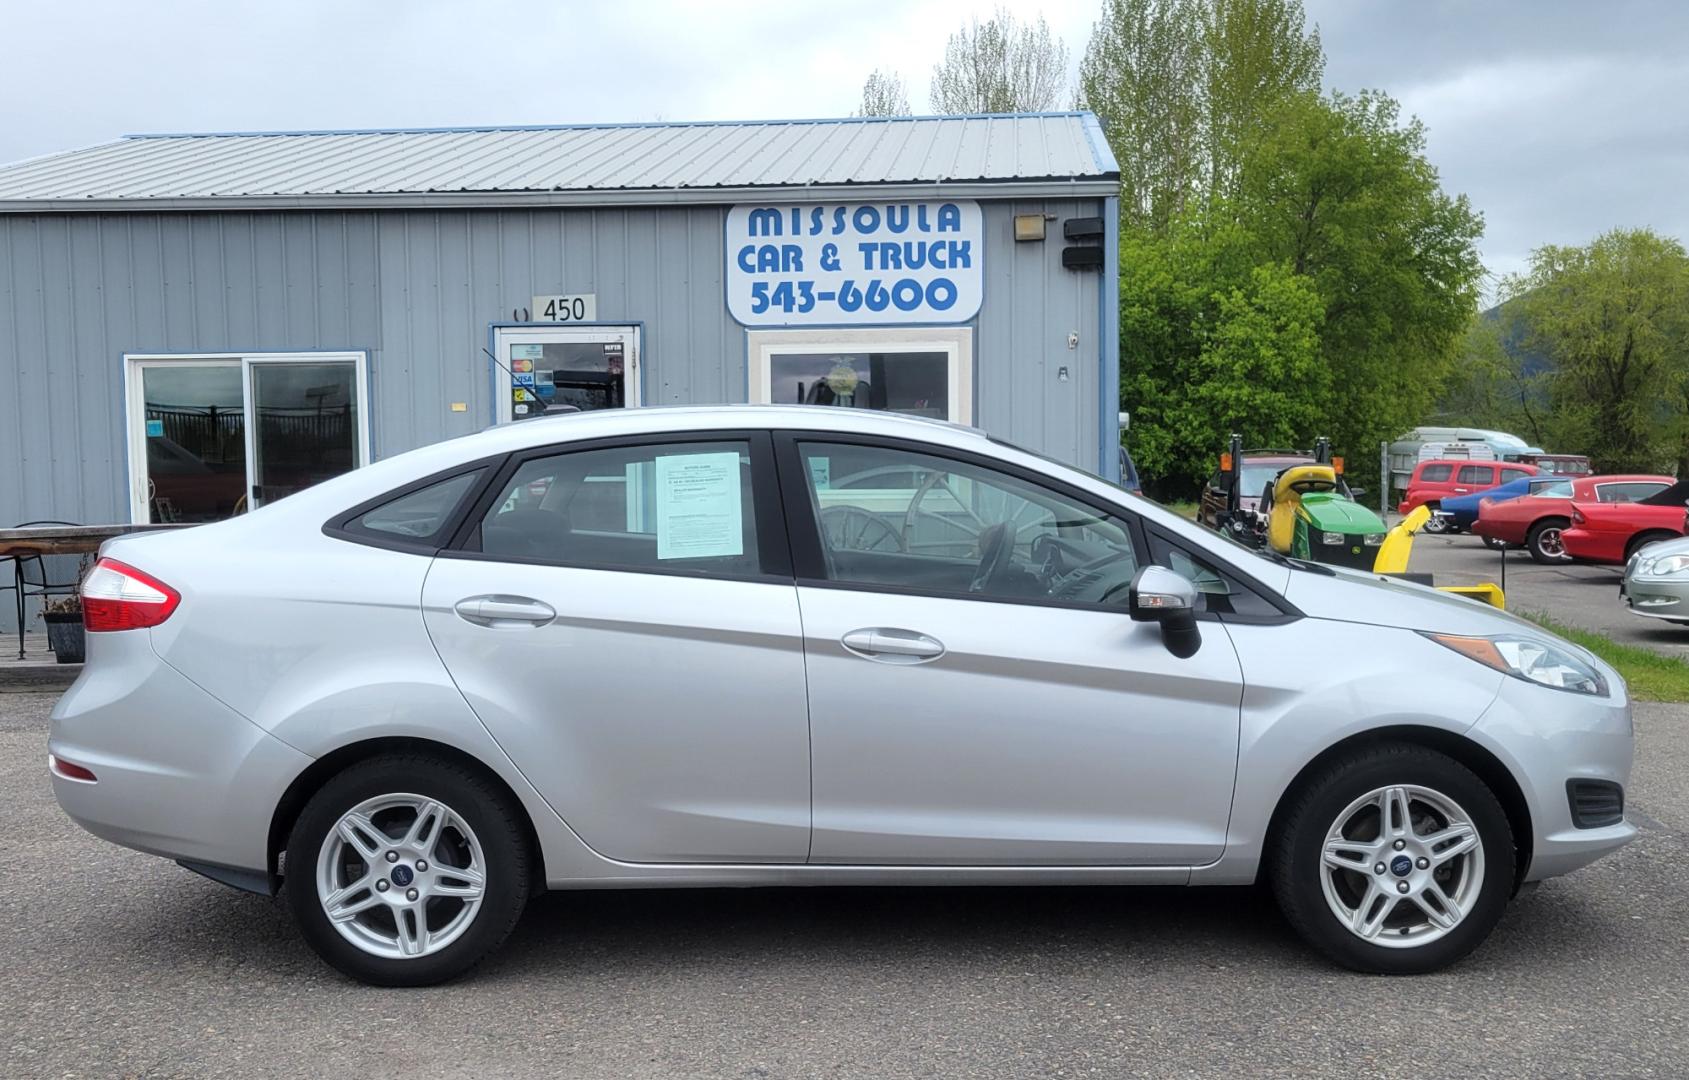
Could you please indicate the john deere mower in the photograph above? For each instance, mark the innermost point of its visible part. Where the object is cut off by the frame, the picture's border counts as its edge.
(1305, 513)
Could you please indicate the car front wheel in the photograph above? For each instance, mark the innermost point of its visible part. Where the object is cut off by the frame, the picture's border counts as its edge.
(1395, 859)
(406, 870)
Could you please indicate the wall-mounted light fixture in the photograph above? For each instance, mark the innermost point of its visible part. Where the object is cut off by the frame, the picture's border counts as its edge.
(1029, 226)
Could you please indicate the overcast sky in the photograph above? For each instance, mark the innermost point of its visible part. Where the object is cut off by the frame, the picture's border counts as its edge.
(1559, 118)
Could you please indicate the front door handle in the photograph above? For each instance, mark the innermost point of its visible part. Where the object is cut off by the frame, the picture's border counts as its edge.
(891, 645)
(505, 611)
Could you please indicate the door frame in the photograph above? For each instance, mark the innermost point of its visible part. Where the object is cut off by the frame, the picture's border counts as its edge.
(500, 336)
(134, 406)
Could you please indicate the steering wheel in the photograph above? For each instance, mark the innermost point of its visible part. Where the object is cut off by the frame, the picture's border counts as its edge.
(996, 548)
(852, 528)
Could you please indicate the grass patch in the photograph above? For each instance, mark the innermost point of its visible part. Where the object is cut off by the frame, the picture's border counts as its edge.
(1651, 676)
(1186, 510)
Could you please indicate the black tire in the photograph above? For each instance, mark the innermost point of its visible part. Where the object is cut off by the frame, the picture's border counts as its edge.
(1495, 543)
(486, 810)
(1296, 851)
(1543, 541)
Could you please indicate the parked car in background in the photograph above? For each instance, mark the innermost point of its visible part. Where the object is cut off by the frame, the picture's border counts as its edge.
(1656, 581)
(974, 666)
(1536, 520)
(1558, 464)
(1459, 512)
(1611, 532)
(1434, 481)
(1259, 469)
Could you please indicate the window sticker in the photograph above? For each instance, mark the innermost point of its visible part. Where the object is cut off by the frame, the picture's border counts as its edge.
(821, 472)
(699, 509)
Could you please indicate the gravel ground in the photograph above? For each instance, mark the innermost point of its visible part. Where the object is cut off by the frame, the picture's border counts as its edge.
(117, 964)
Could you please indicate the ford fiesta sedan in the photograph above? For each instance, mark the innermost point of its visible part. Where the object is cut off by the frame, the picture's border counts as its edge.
(805, 646)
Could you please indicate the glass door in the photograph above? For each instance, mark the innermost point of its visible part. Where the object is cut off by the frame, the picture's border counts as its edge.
(304, 420)
(556, 369)
(215, 436)
(190, 419)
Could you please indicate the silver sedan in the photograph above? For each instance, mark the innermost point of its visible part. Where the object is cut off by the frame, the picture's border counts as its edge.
(757, 646)
(1656, 581)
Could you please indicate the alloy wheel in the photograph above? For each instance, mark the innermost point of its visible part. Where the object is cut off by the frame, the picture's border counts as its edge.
(1550, 544)
(1402, 866)
(401, 876)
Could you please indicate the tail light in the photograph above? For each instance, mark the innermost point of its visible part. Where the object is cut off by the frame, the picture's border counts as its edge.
(1577, 516)
(116, 596)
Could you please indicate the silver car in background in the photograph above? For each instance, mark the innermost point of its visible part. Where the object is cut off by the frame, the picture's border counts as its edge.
(752, 646)
(1656, 581)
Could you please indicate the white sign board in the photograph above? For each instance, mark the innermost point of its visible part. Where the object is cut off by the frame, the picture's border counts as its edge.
(568, 307)
(699, 509)
(855, 264)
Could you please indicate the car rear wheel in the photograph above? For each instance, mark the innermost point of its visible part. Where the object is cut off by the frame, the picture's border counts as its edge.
(1435, 525)
(1642, 540)
(1395, 859)
(406, 870)
(1544, 542)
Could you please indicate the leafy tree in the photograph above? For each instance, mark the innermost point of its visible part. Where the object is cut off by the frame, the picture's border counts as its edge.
(1181, 85)
(1496, 384)
(1000, 66)
(884, 95)
(1613, 320)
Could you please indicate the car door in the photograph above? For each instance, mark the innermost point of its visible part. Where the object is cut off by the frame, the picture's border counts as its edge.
(978, 694)
(622, 617)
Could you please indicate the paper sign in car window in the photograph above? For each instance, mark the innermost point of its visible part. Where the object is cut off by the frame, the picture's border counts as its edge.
(821, 472)
(699, 506)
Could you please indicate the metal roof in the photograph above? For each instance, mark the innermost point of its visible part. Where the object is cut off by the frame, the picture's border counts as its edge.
(1005, 155)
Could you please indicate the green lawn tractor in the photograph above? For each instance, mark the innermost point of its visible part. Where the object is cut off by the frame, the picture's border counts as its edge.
(1305, 512)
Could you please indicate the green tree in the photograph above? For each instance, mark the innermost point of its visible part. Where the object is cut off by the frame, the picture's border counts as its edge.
(1613, 320)
(1182, 84)
(883, 94)
(1000, 66)
(1339, 190)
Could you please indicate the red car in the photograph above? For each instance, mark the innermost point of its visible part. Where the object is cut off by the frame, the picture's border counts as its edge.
(1611, 532)
(1536, 521)
(1434, 481)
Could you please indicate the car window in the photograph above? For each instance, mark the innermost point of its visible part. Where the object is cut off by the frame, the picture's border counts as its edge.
(1509, 475)
(1219, 592)
(1552, 489)
(1627, 491)
(670, 506)
(420, 515)
(1436, 474)
(1474, 474)
(901, 518)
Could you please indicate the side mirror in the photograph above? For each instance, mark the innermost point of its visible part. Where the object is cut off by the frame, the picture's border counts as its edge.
(1159, 595)
(1357, 493)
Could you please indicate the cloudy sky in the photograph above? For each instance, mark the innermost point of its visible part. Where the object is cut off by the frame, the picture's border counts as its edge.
(1559, 118)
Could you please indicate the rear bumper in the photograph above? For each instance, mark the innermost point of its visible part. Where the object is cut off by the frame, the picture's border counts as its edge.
(179, 774)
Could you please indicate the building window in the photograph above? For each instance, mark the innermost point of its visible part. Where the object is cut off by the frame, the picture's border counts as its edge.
(921, 372)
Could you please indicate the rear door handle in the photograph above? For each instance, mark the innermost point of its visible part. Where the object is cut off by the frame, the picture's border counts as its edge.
(505, 611)
(891, 645)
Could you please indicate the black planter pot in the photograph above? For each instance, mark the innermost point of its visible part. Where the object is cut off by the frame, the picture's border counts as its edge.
(65, 636)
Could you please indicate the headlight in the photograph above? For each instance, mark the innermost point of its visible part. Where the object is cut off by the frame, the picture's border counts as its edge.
(1531, 659)
(1333, 538)
(1373, 539)
(1662, 567)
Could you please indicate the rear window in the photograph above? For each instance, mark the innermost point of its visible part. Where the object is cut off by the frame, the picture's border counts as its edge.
(1627, 491)
(1510, 475)
(1436, 474)
(419, 517)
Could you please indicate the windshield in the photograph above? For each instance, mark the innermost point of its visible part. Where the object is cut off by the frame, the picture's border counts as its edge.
(1257, 477)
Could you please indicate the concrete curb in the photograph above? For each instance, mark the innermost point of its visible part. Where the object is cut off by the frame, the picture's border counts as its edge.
(37, 677)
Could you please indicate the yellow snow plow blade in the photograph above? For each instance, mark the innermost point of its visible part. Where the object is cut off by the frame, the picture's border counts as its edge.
(1398, 545)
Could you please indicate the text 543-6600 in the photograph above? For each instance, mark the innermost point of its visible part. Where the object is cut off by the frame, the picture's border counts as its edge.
(905, 294)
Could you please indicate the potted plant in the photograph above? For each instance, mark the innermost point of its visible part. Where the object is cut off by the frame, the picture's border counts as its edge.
(65, 635)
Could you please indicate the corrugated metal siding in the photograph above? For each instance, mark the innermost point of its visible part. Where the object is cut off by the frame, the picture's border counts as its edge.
(418, 290)
(587, 158)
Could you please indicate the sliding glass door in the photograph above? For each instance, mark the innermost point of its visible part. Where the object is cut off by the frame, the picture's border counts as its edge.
(214, 436)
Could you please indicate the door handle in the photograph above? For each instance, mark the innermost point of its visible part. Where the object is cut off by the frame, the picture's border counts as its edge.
(890, 645)
(505, 611)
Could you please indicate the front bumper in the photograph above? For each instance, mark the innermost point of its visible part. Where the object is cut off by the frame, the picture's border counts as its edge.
(1656, 598)
(179, 774)
(1546, 737)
